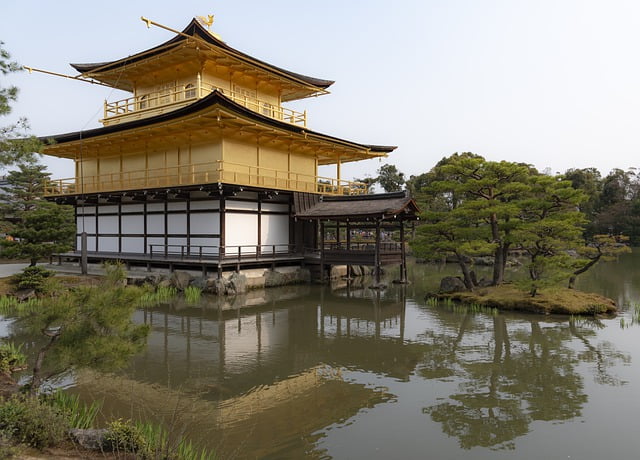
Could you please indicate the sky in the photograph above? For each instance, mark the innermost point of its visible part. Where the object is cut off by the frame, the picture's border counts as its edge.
(552, 83)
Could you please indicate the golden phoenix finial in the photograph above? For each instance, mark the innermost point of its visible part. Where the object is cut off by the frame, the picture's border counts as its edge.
(208, 20)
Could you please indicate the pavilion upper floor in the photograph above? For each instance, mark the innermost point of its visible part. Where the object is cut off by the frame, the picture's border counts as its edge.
(194, 63)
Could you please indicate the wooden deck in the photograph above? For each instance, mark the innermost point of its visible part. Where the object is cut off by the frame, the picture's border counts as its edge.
(206, 263)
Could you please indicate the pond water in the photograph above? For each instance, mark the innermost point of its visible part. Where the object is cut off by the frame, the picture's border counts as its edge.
(337, 372)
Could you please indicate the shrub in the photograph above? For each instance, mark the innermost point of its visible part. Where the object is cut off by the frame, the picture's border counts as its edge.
(125, 436)
(11, 358)
(32, 278)
(27, 420)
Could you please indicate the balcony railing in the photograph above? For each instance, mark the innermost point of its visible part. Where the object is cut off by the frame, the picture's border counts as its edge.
(181, 95)
(201, 174)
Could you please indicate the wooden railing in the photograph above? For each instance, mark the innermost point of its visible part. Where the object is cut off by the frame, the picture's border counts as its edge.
(202, 174)
(179, 95)
(363, 246)
(238, 253)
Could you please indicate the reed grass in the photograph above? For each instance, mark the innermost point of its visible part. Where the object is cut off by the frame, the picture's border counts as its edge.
(192, 294)
(80, 415)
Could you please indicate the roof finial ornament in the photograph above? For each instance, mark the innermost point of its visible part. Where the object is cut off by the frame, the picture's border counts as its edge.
(208, 20)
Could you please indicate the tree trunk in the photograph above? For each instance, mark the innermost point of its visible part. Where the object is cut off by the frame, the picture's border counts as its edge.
(591, 263)
(498, 263)
(468, 283)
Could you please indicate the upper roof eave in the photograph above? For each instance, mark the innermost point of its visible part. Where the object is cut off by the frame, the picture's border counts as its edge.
(195, 28)
(208, 103)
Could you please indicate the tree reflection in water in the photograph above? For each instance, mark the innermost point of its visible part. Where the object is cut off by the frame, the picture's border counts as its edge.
(510, 373)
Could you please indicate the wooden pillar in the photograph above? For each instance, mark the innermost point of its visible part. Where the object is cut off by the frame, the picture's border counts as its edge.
(403, 297)
(321, 252)
(348, 230)
(222, 238)
(83, 254)
(403, 263)
(377, 254)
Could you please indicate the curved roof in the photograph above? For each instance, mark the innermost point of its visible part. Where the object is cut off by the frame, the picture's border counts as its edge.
(396, 205)
(196, 29)
(207, 105)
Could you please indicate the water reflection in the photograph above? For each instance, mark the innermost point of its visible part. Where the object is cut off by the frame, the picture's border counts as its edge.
(293, 372)
(511, 370)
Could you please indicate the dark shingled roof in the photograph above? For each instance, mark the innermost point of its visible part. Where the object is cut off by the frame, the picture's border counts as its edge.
(207, 103)
(196, 29)
(384, 206)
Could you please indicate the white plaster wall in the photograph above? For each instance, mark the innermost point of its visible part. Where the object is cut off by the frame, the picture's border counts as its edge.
(274, 230)
(155, 207)
(241, 205)
(205, 223)
(132, 208)
(133, 244)
(176, 224)
(177, 206)
(86, 224)
(108, 244)
(86, 210)
(155, 223)
(132, 225)
(208, 204)
(107, 224)
(107, 209)
(91, 243)
(240, 230)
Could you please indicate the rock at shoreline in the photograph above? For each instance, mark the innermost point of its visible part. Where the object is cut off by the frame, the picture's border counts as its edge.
(450, 284)
(92, 439)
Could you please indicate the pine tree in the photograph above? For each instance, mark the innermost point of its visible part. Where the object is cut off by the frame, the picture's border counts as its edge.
(16, 145)
(36, 228)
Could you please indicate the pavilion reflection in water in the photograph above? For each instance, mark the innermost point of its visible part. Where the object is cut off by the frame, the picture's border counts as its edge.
(273, 371)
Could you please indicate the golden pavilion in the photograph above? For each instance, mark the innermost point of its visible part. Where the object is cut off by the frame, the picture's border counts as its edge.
(205, 162)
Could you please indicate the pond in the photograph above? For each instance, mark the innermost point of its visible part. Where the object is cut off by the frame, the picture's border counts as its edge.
(338, 372)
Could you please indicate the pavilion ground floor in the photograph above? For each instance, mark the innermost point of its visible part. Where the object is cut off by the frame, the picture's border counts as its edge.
(221, 228)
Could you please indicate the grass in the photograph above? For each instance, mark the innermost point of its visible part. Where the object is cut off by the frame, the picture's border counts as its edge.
(80, 415)
(550, 301)
(162, 294)
(192, 295)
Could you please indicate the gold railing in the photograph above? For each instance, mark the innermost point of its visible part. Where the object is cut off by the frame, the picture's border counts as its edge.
(201, 174)
(179, 95)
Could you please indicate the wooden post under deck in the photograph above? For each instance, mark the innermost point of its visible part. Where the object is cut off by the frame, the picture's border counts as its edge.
(376, 263)
(321, 252)
(403, 263)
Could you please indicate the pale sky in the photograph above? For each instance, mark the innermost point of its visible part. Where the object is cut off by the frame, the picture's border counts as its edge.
(553, 83)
